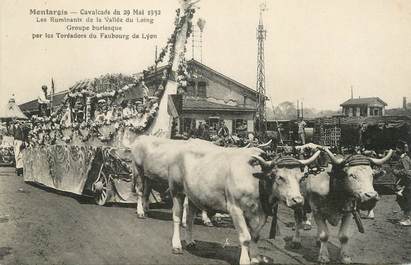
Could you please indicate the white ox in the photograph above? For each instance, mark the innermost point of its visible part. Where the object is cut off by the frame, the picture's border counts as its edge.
(336, 195)
(219, 179)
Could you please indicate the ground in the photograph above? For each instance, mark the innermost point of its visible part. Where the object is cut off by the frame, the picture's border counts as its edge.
(42, 226)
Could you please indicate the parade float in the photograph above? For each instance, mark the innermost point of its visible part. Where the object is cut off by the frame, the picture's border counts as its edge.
(81, 147)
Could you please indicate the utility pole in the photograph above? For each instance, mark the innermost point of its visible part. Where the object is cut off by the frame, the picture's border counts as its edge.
(261, 36)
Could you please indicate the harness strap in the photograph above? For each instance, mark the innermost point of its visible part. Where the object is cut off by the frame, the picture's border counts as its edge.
(264, 196)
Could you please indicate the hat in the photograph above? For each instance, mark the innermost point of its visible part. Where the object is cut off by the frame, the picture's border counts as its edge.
(44, 87)
(102, 101)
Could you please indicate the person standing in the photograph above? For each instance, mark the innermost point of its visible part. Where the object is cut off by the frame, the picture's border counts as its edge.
(361, 132)
(301, 132)
(223, 132)
(43, 101)
(403, 173)
(18, 147)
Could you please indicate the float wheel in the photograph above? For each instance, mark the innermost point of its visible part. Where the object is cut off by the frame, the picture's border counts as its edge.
(102, 190)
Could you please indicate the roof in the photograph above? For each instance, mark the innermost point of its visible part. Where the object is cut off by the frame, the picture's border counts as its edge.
(33, 105)
(364, 101)
(203, 104)
(254, 92)
(11, 110)
(375, 119)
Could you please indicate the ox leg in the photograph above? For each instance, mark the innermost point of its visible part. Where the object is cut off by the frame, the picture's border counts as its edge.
(296, 241)
(146, 195)
(139, 187)
(243, 233)
(185, 209)
(191, 212)
(323, 233)
(178, 200)
(256, 223)
(343, 236)
(206, 219)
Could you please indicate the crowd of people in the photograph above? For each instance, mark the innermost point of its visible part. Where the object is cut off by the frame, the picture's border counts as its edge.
(221, 135)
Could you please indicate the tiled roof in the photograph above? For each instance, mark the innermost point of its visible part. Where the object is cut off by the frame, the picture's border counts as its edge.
(203, 104)
(364, 101)
(195, 62)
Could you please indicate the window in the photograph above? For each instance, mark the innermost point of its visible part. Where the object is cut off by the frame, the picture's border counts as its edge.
(239, 125)
(213, 124)
(376, 113)
(202, 89)
(188, 125)
(191, 89)
(363, 111)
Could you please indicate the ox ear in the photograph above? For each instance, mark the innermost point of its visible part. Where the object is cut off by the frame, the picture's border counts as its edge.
(259, 175)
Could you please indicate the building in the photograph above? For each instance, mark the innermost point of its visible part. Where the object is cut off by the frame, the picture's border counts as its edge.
(210, 97)
(364, 107)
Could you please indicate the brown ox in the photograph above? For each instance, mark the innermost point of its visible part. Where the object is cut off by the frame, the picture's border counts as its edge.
(337, 195)
(219, 179)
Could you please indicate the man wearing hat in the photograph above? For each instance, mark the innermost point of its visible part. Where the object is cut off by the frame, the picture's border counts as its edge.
(100, 113)
(403, 173)
(43, 101)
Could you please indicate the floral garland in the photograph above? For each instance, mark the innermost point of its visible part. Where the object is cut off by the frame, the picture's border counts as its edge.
(91, 128)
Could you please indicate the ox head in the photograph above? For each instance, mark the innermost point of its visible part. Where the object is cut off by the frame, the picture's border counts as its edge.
(354, 175)
(284, 175)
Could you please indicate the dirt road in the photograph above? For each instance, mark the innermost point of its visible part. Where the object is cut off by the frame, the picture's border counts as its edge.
(42, 226)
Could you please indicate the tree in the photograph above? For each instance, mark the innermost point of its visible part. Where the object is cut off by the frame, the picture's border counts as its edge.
(285, 111)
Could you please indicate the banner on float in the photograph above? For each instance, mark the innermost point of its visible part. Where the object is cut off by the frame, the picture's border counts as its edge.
(61, 167)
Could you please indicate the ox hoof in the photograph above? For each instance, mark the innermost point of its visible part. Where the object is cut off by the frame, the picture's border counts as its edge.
(307, 227)
(262, 260)
(209, 224)
(254, 261)
(177, 251)
(345, 259)
(323, 260)
(191, 246)
(296, 245)
(141, 216)
(183, 225)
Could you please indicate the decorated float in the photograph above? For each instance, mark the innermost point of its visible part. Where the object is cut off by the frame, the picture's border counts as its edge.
(81, 147)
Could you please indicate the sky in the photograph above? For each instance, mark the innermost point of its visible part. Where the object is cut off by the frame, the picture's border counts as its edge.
(315, 49)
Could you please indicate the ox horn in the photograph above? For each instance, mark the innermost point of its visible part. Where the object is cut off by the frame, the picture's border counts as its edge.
(266, 144)
(334, 159)
(311, 159)
(381, 161)
(248, 145)
(263, 163)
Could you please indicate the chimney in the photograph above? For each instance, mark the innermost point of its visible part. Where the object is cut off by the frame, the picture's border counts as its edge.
(352, 92)
(404, 103)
